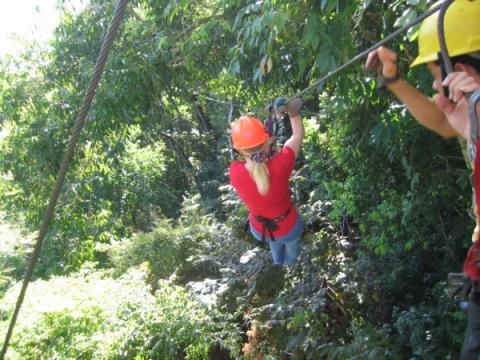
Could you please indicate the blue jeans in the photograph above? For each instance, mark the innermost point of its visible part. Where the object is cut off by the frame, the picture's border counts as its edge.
(285, 249)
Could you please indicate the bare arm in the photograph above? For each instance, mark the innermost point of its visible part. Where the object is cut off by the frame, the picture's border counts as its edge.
(422, 108)
(298, 132)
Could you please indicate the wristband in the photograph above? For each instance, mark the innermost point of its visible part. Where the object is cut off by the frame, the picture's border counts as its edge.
(383, 81)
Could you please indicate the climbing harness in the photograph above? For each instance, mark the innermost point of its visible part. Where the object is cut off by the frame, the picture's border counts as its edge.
(267, 224)
(270, 224)
(79, 123)
(459, 287)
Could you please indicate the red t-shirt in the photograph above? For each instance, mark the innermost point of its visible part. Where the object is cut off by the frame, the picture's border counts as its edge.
(276, 201)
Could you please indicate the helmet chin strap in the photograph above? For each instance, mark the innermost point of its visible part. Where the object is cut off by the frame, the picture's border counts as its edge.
(444, 72)
(444, 58)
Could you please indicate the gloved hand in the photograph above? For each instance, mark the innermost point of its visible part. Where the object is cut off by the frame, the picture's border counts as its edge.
(384, 62)
(292, 106)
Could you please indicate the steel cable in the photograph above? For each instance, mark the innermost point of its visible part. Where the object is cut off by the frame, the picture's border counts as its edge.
(79, 123)
(373, 47)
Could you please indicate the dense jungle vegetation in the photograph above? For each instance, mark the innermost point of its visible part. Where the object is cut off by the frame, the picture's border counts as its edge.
(147, 258)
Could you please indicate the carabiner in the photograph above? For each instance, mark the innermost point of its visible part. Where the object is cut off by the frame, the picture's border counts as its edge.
(270, 121)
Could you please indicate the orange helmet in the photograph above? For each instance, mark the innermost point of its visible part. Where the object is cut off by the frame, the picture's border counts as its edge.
(248, 132)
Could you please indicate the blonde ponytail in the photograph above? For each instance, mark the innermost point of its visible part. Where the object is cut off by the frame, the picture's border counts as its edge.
(260, 175)
(259, 172)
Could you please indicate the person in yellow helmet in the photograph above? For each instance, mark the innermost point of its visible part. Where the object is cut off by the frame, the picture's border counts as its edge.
(447, 114)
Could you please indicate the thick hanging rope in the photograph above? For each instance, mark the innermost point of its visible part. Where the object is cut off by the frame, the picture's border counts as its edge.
(364, 53)
(79, 123)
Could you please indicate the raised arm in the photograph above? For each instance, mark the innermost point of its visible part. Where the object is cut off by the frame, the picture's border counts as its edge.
(298, 132)
(422, 108)
(292, 107)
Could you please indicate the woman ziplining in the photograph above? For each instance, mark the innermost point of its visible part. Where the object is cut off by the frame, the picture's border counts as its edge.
(261, 181)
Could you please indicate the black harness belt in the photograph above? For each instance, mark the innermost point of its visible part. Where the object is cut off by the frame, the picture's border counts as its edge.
(270, 224)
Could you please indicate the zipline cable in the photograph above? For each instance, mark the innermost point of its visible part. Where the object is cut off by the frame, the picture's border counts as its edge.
(79, 123)
(442, 5)
(373, 47)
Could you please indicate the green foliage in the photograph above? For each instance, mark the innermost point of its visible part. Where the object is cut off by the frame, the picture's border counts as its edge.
(431, 330)
(155, 147)
(13, 266)
(15, 246)
(367, 343)
(91, 316)
(424, 331)
(164, 249)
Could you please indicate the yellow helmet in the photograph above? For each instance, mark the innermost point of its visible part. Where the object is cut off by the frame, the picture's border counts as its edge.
(461, 27)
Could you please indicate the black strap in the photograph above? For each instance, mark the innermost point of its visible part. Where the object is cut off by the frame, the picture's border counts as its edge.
(383, 81)
(270, 224)
(444, 73)
(246, 224)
